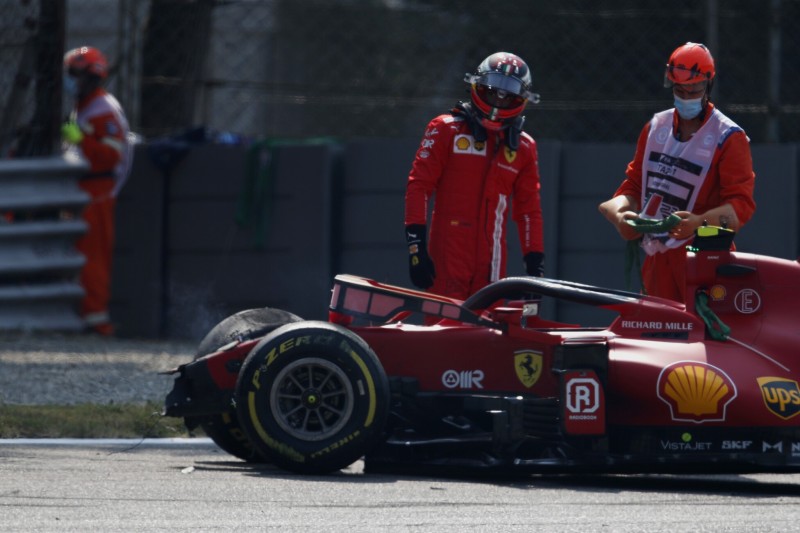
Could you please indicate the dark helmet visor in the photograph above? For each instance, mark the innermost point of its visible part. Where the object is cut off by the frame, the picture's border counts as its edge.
(497, 80)
(498, 98)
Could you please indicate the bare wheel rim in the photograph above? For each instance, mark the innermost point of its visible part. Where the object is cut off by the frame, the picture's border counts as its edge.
(312, 399)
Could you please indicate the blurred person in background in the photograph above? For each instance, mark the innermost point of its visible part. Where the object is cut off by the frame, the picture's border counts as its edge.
(690, 160)
(97, 128)
(477, 161)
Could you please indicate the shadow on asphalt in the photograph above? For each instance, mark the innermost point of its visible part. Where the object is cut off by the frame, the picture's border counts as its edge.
(729, 484)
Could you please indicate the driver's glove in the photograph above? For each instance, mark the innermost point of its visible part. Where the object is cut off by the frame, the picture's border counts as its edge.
(420, 266)
(534, 264)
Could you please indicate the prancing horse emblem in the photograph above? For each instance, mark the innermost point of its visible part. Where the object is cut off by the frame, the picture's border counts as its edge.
(528, 365)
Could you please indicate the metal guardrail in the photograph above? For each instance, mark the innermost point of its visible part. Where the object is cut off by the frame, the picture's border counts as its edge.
(40, 220)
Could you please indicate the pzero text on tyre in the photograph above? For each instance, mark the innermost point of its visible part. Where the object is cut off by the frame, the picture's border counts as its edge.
(312, 397)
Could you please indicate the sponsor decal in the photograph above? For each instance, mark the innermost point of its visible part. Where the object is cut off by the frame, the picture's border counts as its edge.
(510, 154)
(463, 379)
(695, 392)
(772, 447)
(781, 396)
(795, 449)
(428, 143)
(736, 445)
(584, 403)
(717, 293)
(657, 325)
(686, 444)
(528, 365)
(747, 301)
(465, 144)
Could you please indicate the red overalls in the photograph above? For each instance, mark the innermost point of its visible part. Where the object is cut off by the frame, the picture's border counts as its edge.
(730, 179)
(474, 185)
(106, 147)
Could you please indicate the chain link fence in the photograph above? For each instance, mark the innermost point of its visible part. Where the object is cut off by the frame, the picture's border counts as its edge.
(382, 68)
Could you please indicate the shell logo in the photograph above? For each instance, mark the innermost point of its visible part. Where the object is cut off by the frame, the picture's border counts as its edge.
(695, 392)
(717, 293)
(466, 144)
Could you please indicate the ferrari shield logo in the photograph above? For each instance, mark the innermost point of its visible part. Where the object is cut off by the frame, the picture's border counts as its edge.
(510, 154)
(528, 365)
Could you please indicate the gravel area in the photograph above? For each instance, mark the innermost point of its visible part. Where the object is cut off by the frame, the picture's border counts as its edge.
(44, 369)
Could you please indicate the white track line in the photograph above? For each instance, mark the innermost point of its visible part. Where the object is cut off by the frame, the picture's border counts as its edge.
(106, 442)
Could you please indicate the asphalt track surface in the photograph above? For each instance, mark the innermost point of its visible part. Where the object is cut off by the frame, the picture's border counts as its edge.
(190, 485)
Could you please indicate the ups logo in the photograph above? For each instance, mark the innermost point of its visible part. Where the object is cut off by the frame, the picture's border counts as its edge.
(781, 396)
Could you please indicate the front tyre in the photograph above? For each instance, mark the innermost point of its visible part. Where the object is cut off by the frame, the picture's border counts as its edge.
(224, 428)
(312, 397)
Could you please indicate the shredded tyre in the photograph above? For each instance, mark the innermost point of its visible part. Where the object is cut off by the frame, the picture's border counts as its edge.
(224, 428)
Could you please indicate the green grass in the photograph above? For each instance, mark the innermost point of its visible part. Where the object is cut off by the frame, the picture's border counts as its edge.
(88, 421)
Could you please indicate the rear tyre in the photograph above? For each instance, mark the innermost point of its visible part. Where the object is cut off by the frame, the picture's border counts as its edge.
(313, 398)
(224, 428)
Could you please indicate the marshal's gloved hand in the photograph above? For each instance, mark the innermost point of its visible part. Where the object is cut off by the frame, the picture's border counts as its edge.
(71, 133)
(534, 264)
(420, 266)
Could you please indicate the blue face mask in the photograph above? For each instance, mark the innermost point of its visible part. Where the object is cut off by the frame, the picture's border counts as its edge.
(688, 109)
(70, 86)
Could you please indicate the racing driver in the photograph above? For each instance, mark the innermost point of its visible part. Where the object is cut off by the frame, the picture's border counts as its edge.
(476, 160)
(690, 160)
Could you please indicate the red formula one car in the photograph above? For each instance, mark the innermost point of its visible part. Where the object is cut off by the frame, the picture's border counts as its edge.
(707, 386)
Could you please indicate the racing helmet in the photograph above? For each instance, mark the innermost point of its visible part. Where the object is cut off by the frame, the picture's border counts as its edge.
(689, 63)
(500, 88)
(86, 60)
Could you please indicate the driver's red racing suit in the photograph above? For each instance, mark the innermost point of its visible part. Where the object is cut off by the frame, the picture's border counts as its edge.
(473, 183)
